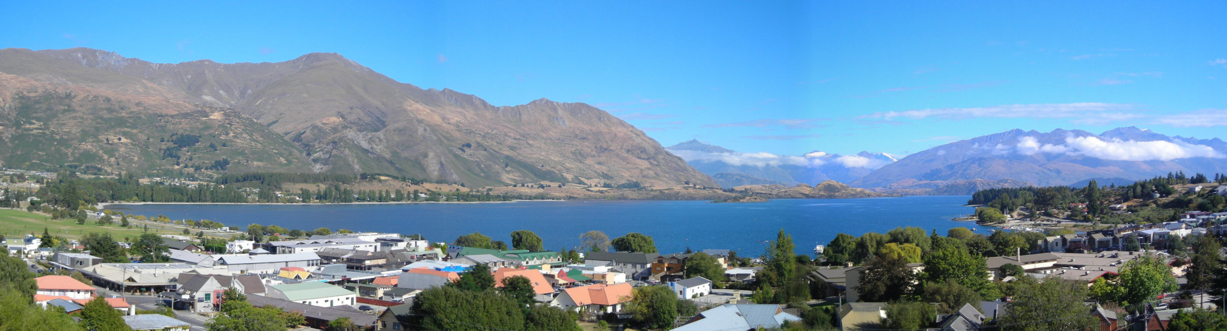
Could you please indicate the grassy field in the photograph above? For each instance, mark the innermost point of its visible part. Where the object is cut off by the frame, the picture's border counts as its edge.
(15, 224)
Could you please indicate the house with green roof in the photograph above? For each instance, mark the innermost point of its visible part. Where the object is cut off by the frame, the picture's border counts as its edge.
(318, 294)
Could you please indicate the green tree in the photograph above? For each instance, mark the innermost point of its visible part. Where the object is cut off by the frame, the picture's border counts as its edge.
(1206, 263)
(595, 241)
(1008, 243)
(98, 315)
(321, 232)
(1131, 244)
(17, 312)
(498, 245)
(1049, 304)
(447, 308)
(47, 240)
(909, 315)
(519, 289)
(634, 242)
(477, 279)
(475, 240)
(236, 314)
(950, 296)
(1014, 270)
(296, 233)
(151, 248)
(885, 278)
(763, 295)
(123, 221)
(868, 245)
(524, 239)
(1196, 321)
(907, 252)
(989, 215)
(545, 318)
(342, 324)
(960, 233)
(655, 306)
(841, 249)
(15, 276)
(953, 262)
(910, 235)
(1144, 278)
(781, 258)
(1104, 291)
(703, 265)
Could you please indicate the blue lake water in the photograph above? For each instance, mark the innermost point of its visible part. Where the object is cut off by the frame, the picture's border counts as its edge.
(674, 225)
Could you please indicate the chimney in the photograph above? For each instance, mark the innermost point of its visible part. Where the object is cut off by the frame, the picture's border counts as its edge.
(1018, 252)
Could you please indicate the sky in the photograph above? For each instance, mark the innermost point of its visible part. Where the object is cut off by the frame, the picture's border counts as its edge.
(783, 77)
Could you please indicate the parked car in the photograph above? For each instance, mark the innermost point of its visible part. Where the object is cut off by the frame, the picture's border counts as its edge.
(365, 308)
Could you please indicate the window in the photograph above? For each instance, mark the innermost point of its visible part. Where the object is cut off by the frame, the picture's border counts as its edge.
(208, 296)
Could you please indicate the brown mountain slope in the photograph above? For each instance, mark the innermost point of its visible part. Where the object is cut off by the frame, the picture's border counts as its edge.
(346, 118)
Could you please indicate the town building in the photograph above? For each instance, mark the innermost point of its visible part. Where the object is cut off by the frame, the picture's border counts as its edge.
(598, 299)
(691, 288)
(155, 322)
(202, 293)
(143, 277)
(855, 316)
(189, 257)
(267, 263)
(313, 293)
(740, 317)
(637, 266)
(424, 278)
(316, 245)
(73, 261)
(316, 317)
(240, 246)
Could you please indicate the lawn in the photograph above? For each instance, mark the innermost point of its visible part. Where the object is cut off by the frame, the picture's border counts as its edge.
(15, 224)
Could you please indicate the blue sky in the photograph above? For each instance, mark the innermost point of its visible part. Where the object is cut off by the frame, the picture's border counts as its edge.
(780, 77)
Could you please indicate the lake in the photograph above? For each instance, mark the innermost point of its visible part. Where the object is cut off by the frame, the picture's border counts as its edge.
(674, 225)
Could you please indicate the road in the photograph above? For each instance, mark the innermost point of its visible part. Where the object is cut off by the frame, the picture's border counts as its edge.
(145, 302)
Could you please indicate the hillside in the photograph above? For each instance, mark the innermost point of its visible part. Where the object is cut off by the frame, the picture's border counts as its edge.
(1059, 157)
(825, 190)
(319, 112)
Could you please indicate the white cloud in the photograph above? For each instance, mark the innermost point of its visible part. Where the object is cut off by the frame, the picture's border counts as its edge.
(815, 154)
(853, 161)
(1029, 145)
(1117, 150)
(1218, 62)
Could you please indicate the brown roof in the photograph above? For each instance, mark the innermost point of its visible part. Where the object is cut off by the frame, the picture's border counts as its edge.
(55, 282)
(428, 271)
(600, 294)
(540, 284)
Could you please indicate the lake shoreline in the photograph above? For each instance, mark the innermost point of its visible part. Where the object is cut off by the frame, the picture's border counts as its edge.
(105, 204)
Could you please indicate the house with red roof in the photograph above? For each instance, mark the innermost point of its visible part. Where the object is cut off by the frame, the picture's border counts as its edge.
(66, 288)
(540, 285)
(599, 298)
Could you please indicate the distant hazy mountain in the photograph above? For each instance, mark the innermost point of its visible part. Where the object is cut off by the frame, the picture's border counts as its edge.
(1060, 157)
(812, 168)
(319, 112)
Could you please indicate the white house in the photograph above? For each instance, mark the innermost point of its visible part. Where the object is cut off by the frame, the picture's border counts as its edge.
(240, 246)
(264, 264)
(317, 294)
(598, 299)
(28, 245)
(691, 288)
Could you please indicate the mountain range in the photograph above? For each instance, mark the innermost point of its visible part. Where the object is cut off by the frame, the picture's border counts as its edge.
(1007, 159)
(96, 110)
(731, 168)
(1058, 157)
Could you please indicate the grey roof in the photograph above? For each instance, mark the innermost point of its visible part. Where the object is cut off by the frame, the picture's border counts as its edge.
(740, 317)
(988, 307)
(176, 244)
(68, 306)
(153, 322)
(251, 283)
(622, 257)
(398, 291)
(957, 322)
(971, 313)
(832, 274)
(313, 312)
(692, 282)
(716, 252)
(194, 258)
(195, 283)
(484, 258)
(998, 261)
(270, 258)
